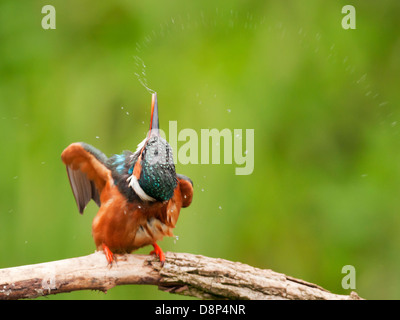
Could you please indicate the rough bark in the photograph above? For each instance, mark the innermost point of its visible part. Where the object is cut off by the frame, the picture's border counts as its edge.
(182, 273)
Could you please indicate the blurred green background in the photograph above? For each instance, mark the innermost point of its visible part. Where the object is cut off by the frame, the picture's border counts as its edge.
(323, 103)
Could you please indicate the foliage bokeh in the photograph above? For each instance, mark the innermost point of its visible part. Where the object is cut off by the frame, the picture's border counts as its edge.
(323, 103)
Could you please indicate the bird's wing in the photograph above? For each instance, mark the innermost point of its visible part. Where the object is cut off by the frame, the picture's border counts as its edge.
(87, 172)
(186, 186)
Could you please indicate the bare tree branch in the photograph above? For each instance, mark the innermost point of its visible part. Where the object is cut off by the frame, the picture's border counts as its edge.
(182, 273)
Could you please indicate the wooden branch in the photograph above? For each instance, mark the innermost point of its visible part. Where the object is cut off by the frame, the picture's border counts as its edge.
(182, 273)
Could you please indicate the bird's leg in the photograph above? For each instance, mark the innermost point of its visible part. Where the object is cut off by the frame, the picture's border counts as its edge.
(109, 255)
(158, 252)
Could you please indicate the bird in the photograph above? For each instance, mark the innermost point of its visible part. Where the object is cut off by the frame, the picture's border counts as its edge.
(139, 193)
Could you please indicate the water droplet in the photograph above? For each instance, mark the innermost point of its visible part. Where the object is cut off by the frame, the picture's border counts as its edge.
(127, 113)
(229, 110)
(202, 189)
(394, 123)
(97, 137)
(220, 208)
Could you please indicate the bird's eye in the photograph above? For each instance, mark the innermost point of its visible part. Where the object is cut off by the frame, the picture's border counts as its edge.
(156, 152)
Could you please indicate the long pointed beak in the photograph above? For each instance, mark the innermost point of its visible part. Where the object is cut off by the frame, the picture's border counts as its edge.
(154, 124)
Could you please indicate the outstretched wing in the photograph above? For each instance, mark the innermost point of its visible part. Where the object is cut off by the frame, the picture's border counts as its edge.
(87, 172)
(186, 186)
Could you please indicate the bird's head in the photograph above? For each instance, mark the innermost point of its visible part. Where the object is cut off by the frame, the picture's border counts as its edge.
(153, 176)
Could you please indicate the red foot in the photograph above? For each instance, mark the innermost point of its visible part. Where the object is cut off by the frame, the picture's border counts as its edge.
(159, 253)
(108, 253)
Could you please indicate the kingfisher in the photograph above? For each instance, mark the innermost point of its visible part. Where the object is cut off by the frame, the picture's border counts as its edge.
(139, 194)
